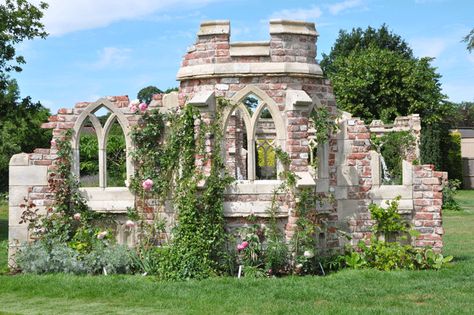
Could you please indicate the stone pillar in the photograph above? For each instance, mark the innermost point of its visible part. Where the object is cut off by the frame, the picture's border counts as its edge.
(428, 201)
(22, 176)
(293, 41)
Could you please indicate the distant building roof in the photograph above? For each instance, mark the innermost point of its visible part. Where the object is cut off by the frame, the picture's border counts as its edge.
(465, 132)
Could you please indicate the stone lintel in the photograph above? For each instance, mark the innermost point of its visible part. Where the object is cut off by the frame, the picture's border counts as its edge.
(250, 49)
(292, 27)
(204, 100)
(297, 100)
(215, 27)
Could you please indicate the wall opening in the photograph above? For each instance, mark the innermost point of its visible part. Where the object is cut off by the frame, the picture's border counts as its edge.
(88, 155)
(116, 155)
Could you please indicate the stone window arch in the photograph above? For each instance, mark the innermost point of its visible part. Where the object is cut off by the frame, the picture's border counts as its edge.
(102, 131)
(318, 153)
(257, 146)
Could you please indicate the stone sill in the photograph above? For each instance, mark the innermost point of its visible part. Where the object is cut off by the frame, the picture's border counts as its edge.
(248, 187)
(109, 199)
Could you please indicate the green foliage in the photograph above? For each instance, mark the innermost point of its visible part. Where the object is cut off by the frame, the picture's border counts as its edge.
(449, 192)
(197, 246)
(387, 221)
(454, 159)
(387, 253)
(358, 40)
(469, 40)
(438, 147)
(70, 237)
(381, 84)
(20, 121)
(19, 21)
(386, 256)
(40, 258)
(145, 95)
(394, 147)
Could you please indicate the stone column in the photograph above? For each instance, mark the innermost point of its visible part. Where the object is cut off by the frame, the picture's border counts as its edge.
(22, 176)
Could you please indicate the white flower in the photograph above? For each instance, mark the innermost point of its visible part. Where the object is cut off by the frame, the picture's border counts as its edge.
(77, 216)
(168, 124)
(308, 254)
(135, 102)
(299, 266)
(102, 234)
(130, 224)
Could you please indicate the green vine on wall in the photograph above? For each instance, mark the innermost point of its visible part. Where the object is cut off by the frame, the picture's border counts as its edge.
(168, 159)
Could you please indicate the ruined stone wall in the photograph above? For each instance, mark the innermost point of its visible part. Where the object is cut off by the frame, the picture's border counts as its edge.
(284, 75)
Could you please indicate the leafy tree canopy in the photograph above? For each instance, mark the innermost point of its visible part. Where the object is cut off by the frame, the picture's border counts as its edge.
(378, 83)
(375, 76)
(20, 118)
(19, 20)
(359, 39)
(20, 127)
(145, 95)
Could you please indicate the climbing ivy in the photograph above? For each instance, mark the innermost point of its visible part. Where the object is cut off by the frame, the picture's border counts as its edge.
(168, 160)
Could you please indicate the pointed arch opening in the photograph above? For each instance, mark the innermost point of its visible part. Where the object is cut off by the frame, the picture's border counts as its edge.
(106, 156)
(264, 131)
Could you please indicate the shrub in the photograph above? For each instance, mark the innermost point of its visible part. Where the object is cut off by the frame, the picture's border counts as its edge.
(40, 257)
(449, 191)
(387, 253)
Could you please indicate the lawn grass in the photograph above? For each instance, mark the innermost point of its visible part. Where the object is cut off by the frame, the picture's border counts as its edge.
(448, 291)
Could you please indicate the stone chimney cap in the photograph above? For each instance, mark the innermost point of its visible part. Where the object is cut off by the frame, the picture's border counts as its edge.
(215, 27)
(292, 27)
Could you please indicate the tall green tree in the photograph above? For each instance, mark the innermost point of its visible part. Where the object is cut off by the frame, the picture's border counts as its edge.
(19, 21)
(359, 40)
(376, 76)
(20, 118)
(145, 95)
(376, 83)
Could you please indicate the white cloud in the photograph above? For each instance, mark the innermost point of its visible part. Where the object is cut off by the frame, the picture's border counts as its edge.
(65, 16)
(429, 47)
(311, 13)
(344, 5)
(112, 56)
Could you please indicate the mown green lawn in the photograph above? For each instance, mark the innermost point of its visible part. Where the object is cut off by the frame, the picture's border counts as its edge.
(449, 291)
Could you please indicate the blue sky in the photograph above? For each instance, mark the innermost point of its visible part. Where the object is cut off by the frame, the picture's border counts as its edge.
(115, 47)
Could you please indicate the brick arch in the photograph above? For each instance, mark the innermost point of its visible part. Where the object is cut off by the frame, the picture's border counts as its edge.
(102, 133)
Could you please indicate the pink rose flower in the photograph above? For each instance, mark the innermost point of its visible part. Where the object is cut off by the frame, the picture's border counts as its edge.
(243, 245)
(130, 224)
(143, 107)
(133, 108)
(147, 184)
(102, 234)
(77, 216)
(53, 142)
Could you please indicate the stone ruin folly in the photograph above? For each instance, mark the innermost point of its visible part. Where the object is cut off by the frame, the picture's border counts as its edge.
(276, 84)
